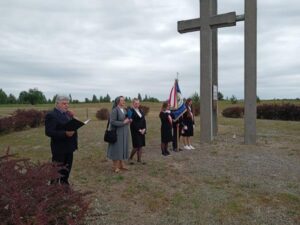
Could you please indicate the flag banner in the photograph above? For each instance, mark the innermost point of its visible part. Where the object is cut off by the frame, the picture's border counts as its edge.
(176, 103)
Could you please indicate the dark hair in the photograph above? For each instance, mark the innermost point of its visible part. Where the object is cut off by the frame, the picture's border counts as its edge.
(188, 110)
(188, 101)
(164, 105)
(117, 101)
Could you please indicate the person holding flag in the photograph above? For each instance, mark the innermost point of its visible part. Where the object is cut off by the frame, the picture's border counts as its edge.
(178, 108)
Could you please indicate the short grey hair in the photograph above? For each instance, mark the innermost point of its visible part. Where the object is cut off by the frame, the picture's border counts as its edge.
(60, 98)
(135, 100)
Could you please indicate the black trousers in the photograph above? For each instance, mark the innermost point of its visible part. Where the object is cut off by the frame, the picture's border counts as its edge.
(174, 141)
(64, 160)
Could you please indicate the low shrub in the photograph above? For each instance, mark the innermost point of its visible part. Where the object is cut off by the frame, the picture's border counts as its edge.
(233, 112)
(28, 198)
(286, 111)
(32, 118)
(145, 109)
(102, 114)
(22, 119)
(6, 124)
(196, 109)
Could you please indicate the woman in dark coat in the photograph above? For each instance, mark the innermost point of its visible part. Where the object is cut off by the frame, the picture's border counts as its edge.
(166, 128)
(188, 125)
(138, 130)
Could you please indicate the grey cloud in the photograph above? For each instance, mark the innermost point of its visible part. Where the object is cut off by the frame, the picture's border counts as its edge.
(89, 47)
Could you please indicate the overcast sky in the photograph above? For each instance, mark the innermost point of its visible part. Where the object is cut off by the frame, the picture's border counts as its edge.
(86, 47)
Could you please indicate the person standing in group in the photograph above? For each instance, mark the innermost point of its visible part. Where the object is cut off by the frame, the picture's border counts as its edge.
(118, 152)
(177, 126)
(188, 125)
(166, 128)
(63, 143)
(138, 130)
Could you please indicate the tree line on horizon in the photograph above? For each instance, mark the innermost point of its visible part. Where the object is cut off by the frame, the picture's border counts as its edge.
(34, 96)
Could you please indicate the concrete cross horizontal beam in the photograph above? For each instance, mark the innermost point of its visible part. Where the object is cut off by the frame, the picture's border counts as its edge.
(222, 20)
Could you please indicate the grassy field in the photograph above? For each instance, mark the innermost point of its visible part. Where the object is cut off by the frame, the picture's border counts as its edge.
(225, 182)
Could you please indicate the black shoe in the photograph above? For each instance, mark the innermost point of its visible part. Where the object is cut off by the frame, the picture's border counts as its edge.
(131, 162)
(167, 152)
(175, 150)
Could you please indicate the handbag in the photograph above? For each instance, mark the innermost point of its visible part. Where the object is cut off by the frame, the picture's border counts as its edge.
(110, 136)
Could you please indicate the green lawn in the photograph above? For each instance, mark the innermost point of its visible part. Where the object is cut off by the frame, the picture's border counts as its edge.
(225, 182)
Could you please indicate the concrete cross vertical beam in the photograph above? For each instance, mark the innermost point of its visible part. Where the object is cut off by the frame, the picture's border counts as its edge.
(214, 11)
(206, 134)
(250, 70)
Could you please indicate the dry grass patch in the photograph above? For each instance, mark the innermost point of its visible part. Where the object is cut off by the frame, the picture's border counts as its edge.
(225, 182)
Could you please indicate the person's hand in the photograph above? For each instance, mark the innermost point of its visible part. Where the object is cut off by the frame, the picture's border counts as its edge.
(142, 131)
(185, 127)
(70, 113)
(70, 133)
(126, 121)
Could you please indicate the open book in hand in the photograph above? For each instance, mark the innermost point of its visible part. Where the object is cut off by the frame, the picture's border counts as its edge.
(75, 124)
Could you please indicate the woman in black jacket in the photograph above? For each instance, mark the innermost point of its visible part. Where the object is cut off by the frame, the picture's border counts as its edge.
(138, 130)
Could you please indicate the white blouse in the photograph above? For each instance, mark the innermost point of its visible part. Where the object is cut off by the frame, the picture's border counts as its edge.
(138, 112)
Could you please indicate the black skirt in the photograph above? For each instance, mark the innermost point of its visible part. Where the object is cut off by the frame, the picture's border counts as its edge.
(190, 129)
(166, 128)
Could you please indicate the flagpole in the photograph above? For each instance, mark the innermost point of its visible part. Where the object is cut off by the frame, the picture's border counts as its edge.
(177, 125)
(177, 138)
(173, 100)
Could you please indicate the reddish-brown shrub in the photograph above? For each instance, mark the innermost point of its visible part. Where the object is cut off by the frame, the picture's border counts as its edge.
(102, 114)
(145, 109)
(233, 112)
(6, 124)
(28, 198)
(286, 111)
(196, 109)
(43, 116)
(31, 118)
(22, 119)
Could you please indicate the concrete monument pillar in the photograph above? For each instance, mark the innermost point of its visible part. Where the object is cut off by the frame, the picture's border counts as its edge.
(214, 11)
(250, 70)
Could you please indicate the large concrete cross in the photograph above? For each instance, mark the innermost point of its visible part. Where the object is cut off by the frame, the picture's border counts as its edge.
(207, 23)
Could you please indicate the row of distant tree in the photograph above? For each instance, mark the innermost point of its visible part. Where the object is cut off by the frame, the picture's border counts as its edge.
(35, 96)
(196, 98)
